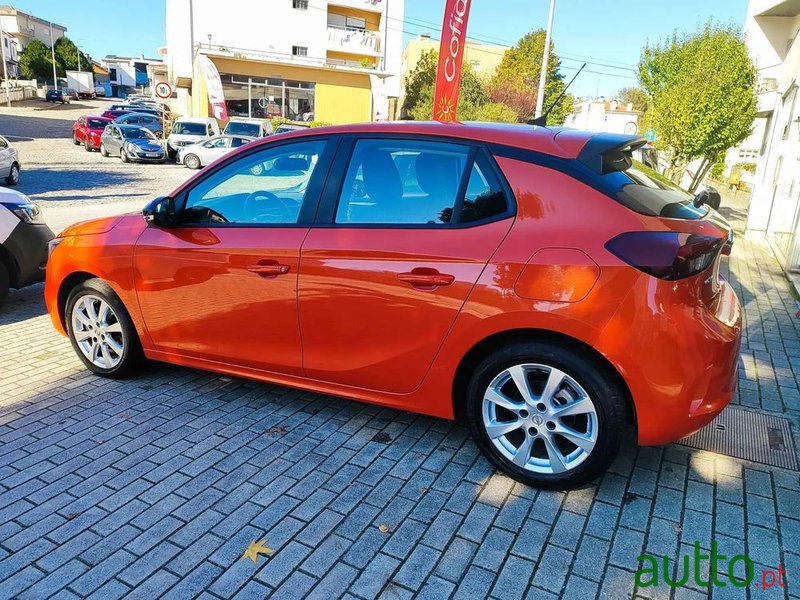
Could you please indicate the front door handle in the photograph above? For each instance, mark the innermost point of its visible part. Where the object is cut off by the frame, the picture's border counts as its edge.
(424, 277)
(269, 269)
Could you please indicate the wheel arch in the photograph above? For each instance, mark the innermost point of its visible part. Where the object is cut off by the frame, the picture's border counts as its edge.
(11, 266)
(499, 339)
(69, 283)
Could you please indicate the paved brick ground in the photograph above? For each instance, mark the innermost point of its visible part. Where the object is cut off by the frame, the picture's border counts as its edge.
(154, 487)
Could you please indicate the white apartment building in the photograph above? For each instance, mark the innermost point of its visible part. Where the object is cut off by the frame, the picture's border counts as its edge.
(19, 28)
(771, 34)
(335, 61)
(127, 74)
(604, 115)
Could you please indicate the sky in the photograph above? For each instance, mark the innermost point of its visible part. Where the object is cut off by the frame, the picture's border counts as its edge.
(607, 34)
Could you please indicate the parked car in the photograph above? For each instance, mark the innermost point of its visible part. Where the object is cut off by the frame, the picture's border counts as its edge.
(57, 96)
(530, 282)
(287, 127)
(71, 93)
(113, 113)
(131, 143)
(87, 130)
(99, 91)
(23, 242)
(9, 162)
(202, 153)
(146, 120)
(189, 130)
(254, 128)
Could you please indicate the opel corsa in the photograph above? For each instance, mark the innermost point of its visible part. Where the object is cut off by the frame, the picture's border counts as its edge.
(535, 283)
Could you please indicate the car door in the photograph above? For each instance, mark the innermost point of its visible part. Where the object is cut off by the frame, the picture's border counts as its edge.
(215, 148)
(6, 157)
(405, 229)
(221, 285)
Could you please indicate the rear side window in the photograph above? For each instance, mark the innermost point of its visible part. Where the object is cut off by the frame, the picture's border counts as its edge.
(647, 192)
(417, 182)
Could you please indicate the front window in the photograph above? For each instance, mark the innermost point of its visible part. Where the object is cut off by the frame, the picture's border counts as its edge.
(266, 187)
(253, 129)
(184, 128)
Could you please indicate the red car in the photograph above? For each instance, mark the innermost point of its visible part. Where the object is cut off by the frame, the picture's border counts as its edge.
(116, 112)
(534, 283)
(87, 130)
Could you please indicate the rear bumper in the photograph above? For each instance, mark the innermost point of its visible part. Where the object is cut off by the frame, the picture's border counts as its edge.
(678, 357)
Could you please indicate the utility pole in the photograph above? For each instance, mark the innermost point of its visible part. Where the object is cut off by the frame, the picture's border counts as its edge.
(545, 57)
(5, 66)
(53, 55)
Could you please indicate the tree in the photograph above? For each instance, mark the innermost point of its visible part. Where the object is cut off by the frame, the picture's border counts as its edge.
(635, 96)
(67, 57)
(521, 100)
(702, 90)
(35, 61)
(519, 70)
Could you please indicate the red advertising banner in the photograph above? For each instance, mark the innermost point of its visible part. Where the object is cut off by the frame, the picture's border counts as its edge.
(451, 53)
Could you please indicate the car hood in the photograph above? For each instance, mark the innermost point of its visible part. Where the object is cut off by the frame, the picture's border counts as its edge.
(13, 197)
(146, 145)
(93, 227)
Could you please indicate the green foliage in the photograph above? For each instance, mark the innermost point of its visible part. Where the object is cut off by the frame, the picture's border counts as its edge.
(702, 89)
(420, 84)
(67, 57)
(717, 170)
(495, 112)
(35, 61)
(634, 95)
(749, 167)
(520, 69)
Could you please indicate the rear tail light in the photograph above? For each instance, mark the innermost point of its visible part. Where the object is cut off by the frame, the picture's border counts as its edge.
(666, 254)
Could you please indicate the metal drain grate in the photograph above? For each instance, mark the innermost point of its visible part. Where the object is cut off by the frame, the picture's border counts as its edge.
(748, 435)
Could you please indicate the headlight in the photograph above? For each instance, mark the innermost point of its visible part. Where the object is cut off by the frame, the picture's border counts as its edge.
(51, 245)
(27, 213)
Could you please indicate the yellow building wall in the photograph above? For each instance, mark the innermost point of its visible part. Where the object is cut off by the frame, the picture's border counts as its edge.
(487, 56)
(339, 98)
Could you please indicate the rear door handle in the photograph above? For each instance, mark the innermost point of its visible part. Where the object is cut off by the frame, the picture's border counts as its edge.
(426, 278)
(269, 269)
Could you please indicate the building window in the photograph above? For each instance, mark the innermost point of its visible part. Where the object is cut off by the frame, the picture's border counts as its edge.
(299, 51)
(345, 22)
(300, 4)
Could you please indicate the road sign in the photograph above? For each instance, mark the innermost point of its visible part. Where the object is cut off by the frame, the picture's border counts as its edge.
(163, 89)
(650, 134)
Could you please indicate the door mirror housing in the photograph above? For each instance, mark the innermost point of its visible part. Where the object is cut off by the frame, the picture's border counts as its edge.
(710, 196)
(161, 212)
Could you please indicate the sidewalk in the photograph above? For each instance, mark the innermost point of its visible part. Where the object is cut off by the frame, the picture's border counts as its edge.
(154, 487)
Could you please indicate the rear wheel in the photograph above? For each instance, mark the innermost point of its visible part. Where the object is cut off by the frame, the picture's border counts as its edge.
(86, 145)
(192, 161)
(13, 175)
(546, 415)
(101, 331)
(103, 151)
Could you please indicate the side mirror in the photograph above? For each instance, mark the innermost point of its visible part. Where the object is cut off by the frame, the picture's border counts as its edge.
(161, 212)
(709, 195)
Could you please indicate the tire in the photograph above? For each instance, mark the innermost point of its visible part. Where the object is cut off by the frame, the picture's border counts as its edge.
(75, 140)
(103, 151)
(86, 145)
(192, 161)
(13, 175)
(171, 154)
(600, 423)
(123, 156)
(4, 283)
(122, 354)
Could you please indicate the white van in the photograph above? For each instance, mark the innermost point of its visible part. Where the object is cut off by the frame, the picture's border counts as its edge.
(189, 130)
(248, 127)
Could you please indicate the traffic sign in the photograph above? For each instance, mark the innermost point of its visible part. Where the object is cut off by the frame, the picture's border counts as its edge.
(163, 89)
(650, 134)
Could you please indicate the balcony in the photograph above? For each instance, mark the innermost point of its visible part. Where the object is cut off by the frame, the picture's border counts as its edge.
(368, 5)
(766, 95)
(354, 41)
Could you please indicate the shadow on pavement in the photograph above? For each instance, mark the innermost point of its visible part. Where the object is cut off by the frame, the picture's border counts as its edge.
(47, 180)
(21, 128)
(22, 305)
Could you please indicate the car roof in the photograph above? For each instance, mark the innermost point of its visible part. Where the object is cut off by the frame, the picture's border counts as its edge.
(195, 119)
(130, 127)
(99, 117)
(556, 141)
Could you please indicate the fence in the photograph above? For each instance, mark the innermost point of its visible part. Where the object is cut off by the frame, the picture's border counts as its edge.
(18, 92)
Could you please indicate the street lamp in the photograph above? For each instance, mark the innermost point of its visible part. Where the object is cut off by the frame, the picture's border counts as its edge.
(5, 65)
(53, 55)
(545, 57)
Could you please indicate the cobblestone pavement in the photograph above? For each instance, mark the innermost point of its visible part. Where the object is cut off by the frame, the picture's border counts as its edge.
(155, 486)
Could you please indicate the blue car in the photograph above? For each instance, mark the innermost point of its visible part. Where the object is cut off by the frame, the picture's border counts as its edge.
(57, 96)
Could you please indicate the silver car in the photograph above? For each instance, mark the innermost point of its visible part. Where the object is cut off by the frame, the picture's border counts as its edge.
(131, 143)
(207, 151)
(146, 120)
(9, 162)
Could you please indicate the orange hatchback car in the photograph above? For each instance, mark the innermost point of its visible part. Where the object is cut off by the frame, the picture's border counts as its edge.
(535, 283)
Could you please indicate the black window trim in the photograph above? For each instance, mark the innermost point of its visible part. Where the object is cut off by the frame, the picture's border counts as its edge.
(313, 194)
(326, 213)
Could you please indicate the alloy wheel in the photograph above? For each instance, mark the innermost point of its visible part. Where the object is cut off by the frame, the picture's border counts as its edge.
(192, 161)
(97, 331)
(539, 418)
(13, 175)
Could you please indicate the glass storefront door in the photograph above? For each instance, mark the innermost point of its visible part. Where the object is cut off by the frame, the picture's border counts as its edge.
(265, 98)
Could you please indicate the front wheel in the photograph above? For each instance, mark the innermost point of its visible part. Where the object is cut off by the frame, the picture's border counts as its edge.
(103, 151)
(75, 139)
(546, 415)
(123, 156)
(86, 145)
(101, 331)
(13, 175)
(192, 161)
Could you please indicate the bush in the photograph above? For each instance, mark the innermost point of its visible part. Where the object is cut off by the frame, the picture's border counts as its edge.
(717, 170)
(496, 112)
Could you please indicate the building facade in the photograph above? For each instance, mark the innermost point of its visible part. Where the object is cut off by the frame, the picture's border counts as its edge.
(604, 115)
(334, 61)
(128, 75)
(771, 33)
(19, 29)
(483, 58)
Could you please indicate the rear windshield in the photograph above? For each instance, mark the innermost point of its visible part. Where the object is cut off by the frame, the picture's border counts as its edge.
(646, 191)
(184, 128)
(239, 128)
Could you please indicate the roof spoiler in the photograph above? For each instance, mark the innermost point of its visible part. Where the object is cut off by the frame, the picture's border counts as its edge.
(610, 152)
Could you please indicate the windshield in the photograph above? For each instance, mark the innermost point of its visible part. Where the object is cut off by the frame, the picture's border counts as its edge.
(184, 128)
(239, 128)
(137, 134)
(96, 123)
(647, 192)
